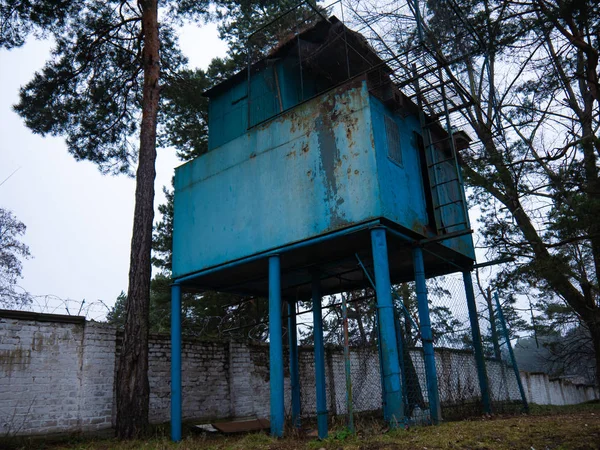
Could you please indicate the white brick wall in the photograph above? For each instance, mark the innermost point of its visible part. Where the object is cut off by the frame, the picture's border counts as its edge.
(41, 380)
(57, 375)
(540, 389)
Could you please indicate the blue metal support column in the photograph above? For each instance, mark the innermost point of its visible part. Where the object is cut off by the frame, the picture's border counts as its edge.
(176, 363)
(427, 337)
(477, 347)
(322, 414)
(387, 329)
(275, 347)
(294, 367)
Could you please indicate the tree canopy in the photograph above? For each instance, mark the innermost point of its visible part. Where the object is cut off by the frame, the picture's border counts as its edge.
(12, 253)
(101, 90)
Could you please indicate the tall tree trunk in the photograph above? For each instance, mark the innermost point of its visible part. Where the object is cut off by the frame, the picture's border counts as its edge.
(133, 391)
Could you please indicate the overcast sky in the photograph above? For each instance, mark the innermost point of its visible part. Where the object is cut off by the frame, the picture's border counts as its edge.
(78, 221)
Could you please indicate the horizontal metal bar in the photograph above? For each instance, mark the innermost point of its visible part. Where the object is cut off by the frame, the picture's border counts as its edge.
(443, 182)
(455, 224)
(447, 236)
(259, 256)
(454, 109)
(427, 89)
(448, 204)
(494, 262)
(440, 162)
(439, 141)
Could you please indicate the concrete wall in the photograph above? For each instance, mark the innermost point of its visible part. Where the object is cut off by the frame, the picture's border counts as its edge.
(57, 375)
(542, 390)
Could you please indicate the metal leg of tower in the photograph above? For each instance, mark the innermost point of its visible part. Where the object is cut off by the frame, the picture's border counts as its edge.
(275, 347)
(176, 363)
(387, 329)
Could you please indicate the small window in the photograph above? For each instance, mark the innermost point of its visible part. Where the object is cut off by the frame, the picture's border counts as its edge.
(393, 140)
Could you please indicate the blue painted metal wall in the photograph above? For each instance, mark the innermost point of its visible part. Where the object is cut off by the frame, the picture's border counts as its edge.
(401, 183)
(310, 171)
(318, 167)
(273, 89)
(401, 186)
(228, 114)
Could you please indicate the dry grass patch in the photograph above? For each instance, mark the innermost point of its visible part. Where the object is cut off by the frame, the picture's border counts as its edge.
(546, 428)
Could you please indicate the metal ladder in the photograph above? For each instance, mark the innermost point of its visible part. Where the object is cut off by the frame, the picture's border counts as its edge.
(445, 182)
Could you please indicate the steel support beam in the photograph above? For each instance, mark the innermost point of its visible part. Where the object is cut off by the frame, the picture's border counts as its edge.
(176, 363)
(426, 337)
(275, 347)
(294, 367)
(477, 346)
(322, 414)
(387, 329)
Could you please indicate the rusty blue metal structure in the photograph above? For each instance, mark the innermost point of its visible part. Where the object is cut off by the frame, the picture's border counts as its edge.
(310, 166)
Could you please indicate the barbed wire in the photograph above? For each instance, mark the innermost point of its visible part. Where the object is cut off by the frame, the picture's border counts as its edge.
(96, 310)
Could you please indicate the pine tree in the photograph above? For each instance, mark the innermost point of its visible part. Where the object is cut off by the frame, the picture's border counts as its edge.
(101, 89)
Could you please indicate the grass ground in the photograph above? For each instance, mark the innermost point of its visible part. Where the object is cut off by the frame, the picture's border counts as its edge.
(545, 428)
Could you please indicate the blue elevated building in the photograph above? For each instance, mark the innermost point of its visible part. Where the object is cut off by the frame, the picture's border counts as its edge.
(319, 172)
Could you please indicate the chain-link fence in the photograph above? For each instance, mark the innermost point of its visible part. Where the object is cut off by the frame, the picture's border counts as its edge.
(457, 376)
(457, 372)
(506, 389)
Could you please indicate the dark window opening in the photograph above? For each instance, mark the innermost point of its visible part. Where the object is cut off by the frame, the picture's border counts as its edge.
(394, 150)
(426, 181)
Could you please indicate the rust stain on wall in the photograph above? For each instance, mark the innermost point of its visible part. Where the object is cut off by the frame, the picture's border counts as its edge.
(336, 112)
(17, 359)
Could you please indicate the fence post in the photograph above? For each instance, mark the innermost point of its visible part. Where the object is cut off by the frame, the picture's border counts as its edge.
(427, 337)
(347, 367)
(294, 366)
(511, 353)
(275, 347)
(477, 347)
(319, 357)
